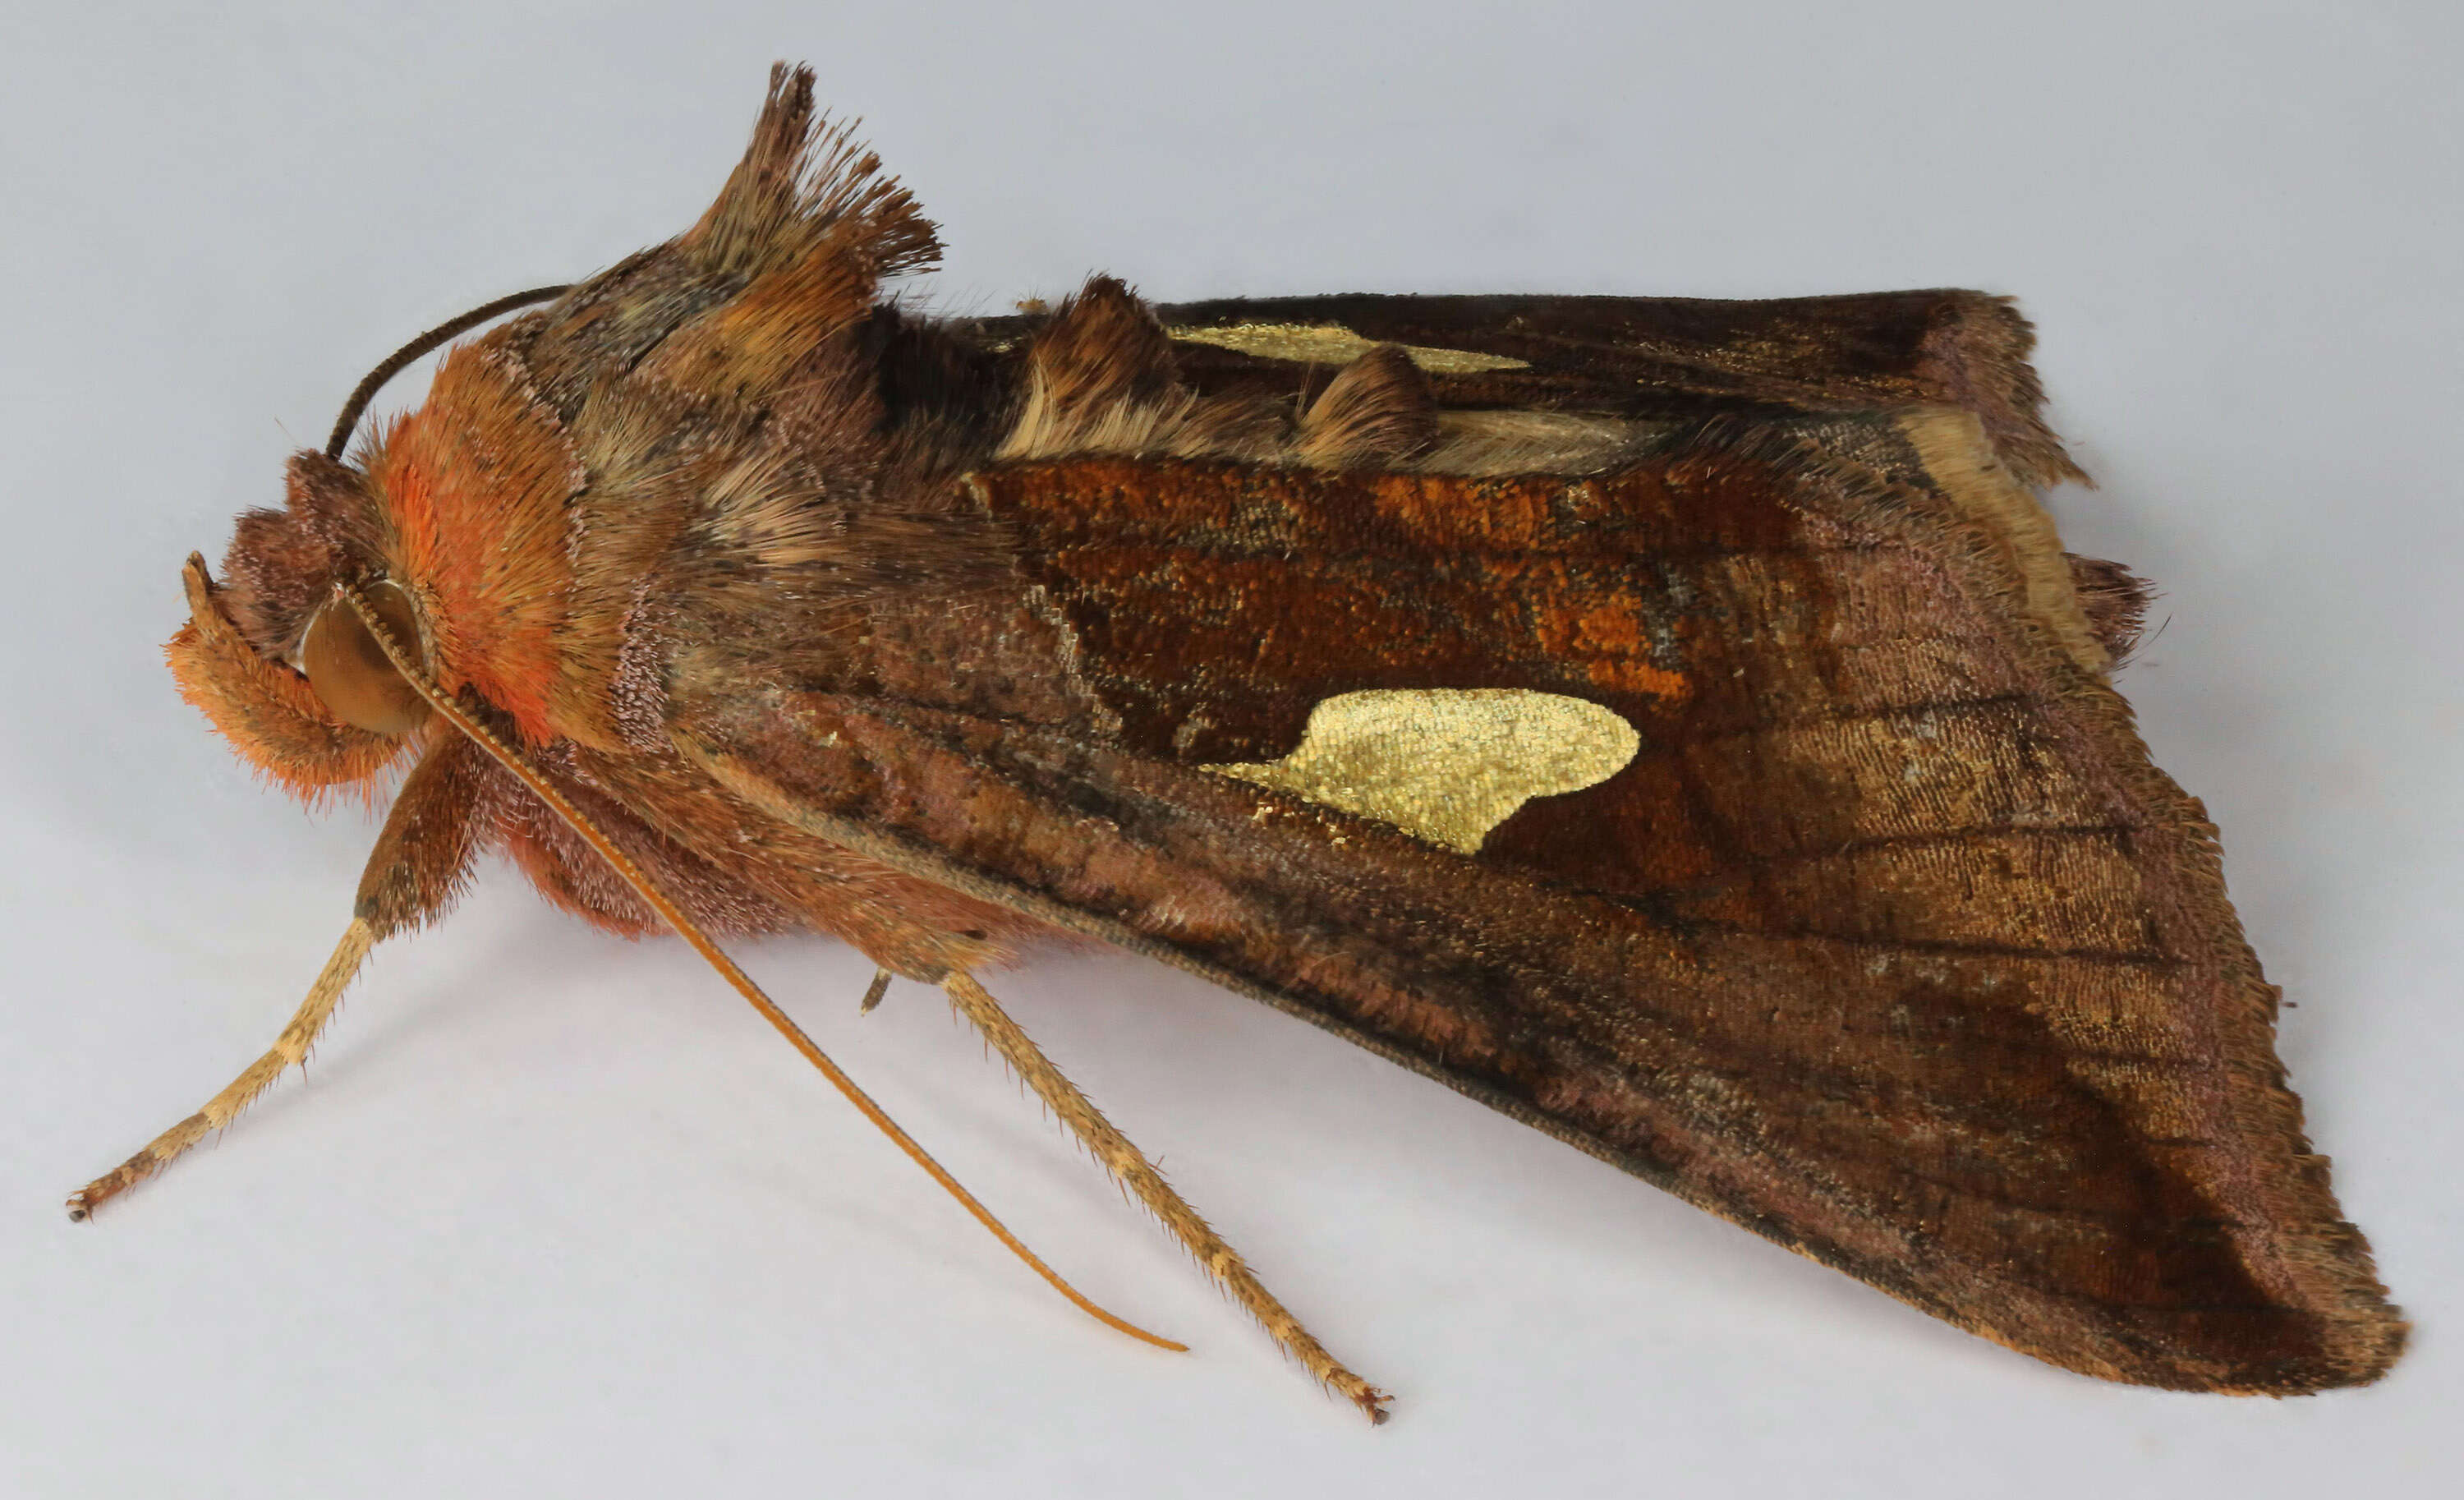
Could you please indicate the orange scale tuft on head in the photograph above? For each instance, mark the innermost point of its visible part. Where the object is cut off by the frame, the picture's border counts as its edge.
(475, 486)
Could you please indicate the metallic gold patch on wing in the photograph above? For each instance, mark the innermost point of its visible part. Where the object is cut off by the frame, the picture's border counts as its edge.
(1447, 766)
(1331, 343)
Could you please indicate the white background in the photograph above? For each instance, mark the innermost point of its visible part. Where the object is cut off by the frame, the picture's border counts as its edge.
(555, 1215)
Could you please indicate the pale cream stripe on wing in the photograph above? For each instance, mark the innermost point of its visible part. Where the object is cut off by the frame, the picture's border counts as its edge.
(1331, 343)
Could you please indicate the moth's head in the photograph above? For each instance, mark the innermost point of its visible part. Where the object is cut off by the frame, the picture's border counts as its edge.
(282, 666)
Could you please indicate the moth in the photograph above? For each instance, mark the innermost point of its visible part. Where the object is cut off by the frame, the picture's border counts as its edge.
(1673, 723)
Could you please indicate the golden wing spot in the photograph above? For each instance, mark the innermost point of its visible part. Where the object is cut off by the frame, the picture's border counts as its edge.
(1331, 343)
(1446, 766)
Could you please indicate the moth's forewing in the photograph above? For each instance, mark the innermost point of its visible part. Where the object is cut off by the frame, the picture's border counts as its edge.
(1889, 943)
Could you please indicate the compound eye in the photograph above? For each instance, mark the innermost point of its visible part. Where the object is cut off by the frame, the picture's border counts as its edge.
(349, 671)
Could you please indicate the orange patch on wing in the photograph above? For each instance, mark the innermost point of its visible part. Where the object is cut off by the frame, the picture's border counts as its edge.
(476, 484)
(1609, 636)
(1629, 674)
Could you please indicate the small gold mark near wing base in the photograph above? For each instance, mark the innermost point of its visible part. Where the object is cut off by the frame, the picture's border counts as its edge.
(1447, 766)
(1331, 343)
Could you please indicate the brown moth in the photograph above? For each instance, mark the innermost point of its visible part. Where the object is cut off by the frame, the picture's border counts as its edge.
(1673, 723)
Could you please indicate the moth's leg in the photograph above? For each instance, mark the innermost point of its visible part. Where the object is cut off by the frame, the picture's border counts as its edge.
(1126, 1163)
(412, 876)
(290, 1047)
(873, 992)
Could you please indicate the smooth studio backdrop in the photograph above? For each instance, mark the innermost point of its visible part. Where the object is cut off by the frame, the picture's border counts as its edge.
(551, 1214)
